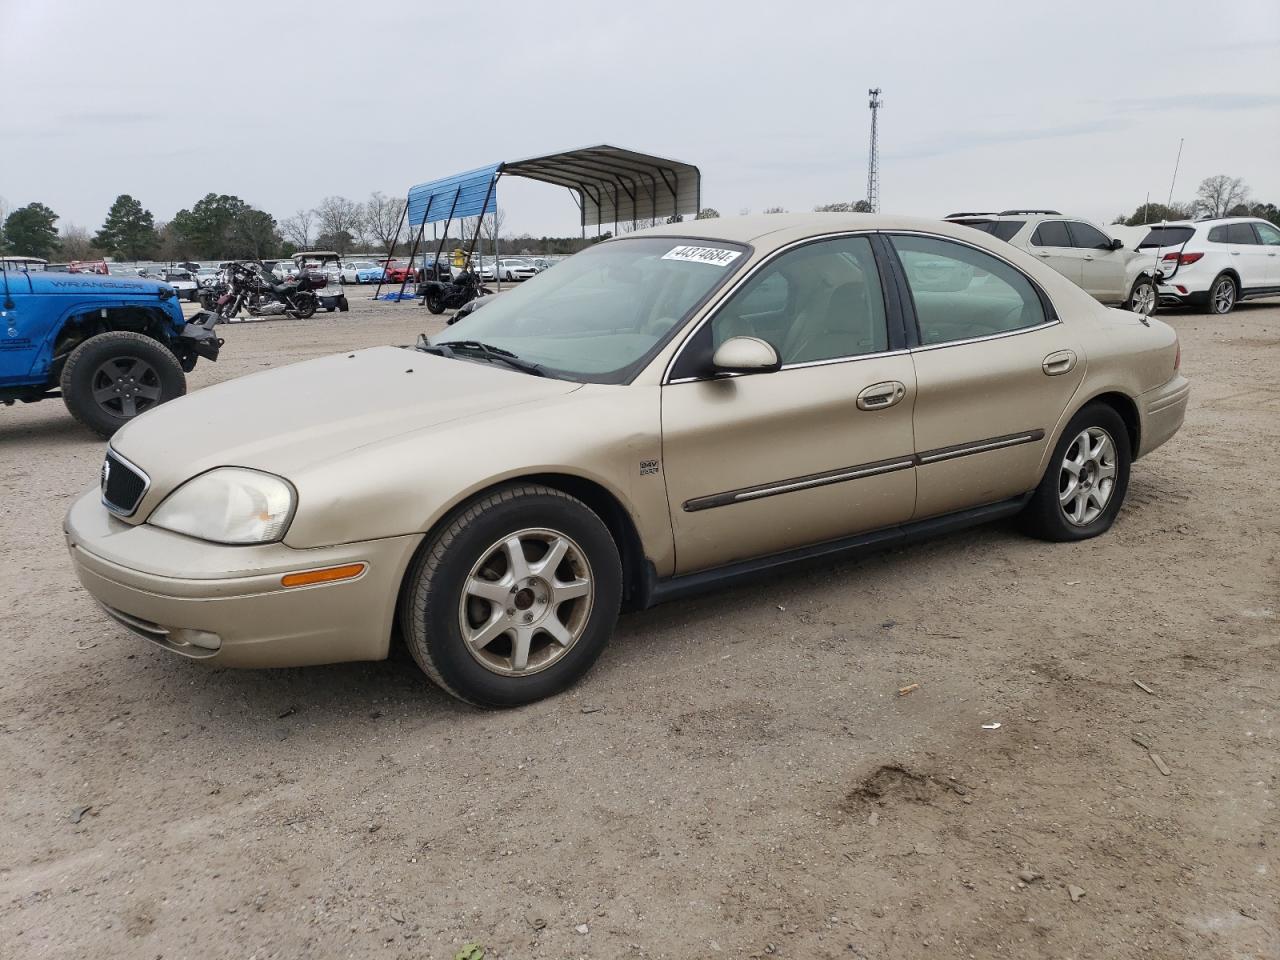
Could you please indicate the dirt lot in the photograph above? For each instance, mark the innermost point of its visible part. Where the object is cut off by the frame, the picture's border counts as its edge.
(737, 777)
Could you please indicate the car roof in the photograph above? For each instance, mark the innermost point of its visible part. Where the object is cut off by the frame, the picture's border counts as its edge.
(775, 229)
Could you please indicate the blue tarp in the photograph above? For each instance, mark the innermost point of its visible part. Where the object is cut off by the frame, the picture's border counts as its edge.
(432, 202)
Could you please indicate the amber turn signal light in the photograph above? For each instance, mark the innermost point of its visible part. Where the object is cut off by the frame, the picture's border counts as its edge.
(306, 578)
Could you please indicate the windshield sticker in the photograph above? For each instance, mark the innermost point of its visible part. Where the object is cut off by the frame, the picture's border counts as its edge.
(715, 256)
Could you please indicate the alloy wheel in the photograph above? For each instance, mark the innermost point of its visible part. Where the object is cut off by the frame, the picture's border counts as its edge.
(526, 602)
(1143, 301)
(1224, 296)
(1087, 477)
(125, 386)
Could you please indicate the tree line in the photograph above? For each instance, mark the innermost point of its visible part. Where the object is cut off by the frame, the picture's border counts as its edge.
(222, 226)
(1217, 196)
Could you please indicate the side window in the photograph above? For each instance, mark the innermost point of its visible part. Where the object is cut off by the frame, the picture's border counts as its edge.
(1051, 233)
(1268, 234)
(961, 293)
(819, 302)
(1241, 233)
(1218, 235)
(1091, 238)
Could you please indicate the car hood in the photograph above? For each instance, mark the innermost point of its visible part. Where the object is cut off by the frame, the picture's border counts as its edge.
(286, 420)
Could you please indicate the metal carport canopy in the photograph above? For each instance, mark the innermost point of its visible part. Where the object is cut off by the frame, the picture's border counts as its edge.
(614, 185)
(611, 185)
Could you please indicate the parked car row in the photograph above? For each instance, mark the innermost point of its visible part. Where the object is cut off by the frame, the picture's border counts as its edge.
(1212, 264)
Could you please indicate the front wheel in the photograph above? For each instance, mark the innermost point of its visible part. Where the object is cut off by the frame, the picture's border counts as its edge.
(1142, 298)
(111, 378)
(514, 599)
(1085, 483)
(1222, 295)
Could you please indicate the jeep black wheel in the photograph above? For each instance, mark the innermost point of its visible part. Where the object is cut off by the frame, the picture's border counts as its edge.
(111, 378)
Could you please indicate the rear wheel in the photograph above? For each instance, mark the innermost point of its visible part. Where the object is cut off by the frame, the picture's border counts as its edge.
(305, 305)
(514, 599)
(1142, 298)
(1085, 483)
(111, 378)
(1222, 295)
(434, 303)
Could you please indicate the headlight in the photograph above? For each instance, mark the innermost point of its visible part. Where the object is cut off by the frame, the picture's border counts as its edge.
(229, 505)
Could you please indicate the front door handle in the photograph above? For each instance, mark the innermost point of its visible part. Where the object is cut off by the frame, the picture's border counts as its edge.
(880, 396)
(1058, 363)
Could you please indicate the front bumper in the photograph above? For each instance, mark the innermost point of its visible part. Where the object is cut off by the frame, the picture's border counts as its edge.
(225, 605)
(1162, 411)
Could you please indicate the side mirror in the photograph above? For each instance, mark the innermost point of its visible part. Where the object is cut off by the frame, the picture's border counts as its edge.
(745, 355)
(1116, 244)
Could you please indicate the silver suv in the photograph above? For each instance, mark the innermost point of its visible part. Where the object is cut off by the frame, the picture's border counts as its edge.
(1083, 252)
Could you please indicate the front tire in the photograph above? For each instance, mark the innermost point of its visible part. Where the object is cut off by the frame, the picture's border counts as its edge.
(514, 599)
(1222, 295)
(111, 378)
(1085, 483)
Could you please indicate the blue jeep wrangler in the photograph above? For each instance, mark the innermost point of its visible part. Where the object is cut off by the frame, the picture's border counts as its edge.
(111, 347)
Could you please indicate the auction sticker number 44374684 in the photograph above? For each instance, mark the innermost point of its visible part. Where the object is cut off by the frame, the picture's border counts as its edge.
(715, 256)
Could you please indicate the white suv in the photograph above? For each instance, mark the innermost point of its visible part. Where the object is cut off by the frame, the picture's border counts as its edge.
(1214, 264)
(1079, 250)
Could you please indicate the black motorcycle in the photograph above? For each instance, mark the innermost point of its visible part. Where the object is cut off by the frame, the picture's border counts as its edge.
(258, 293)
(449, 295)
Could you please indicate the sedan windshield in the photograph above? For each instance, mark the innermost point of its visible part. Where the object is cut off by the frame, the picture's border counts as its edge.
(602, 314)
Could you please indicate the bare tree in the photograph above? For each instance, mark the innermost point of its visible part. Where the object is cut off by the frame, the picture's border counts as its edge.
(297, 229)
(775, 209)
(76, 244)
(340, 217)
(1217, 195)
(382, 218)
(491, 225)
(708, 213)
(643, 223)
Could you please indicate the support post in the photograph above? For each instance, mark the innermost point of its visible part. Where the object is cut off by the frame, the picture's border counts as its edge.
(446, 229)
(404, 214)
(413, 252)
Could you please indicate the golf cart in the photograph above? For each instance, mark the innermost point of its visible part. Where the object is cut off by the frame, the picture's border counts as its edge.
(331, 296)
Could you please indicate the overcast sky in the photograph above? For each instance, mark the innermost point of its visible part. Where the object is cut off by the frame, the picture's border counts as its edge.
(1077, 106)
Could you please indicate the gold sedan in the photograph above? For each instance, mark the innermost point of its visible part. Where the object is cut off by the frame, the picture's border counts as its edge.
(658, 415)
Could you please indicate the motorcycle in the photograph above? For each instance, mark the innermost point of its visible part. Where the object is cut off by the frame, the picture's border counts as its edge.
(250, 289)
(449, 295)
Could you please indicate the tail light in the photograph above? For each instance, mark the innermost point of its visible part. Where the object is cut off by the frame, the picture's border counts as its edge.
(1182, 259)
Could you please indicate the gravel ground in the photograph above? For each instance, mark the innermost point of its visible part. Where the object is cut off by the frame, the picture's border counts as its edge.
(737, 777)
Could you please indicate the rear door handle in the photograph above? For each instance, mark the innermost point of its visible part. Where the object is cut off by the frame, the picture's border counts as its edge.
(1058, 363)
(880, 396)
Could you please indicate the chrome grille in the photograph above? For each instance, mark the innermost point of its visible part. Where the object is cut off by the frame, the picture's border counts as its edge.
(123, 484)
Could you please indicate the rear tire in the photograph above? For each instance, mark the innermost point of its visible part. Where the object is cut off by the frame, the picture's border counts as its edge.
(445, 597)
(111, 378)
(1084, 485)
(435, 304)
(1143, 298)
(306, 306)
(1223, 295)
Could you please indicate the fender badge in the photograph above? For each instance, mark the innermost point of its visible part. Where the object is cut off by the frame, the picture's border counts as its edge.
(648, 467)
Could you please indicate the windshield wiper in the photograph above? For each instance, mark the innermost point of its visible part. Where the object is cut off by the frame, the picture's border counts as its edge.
(489, 352)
